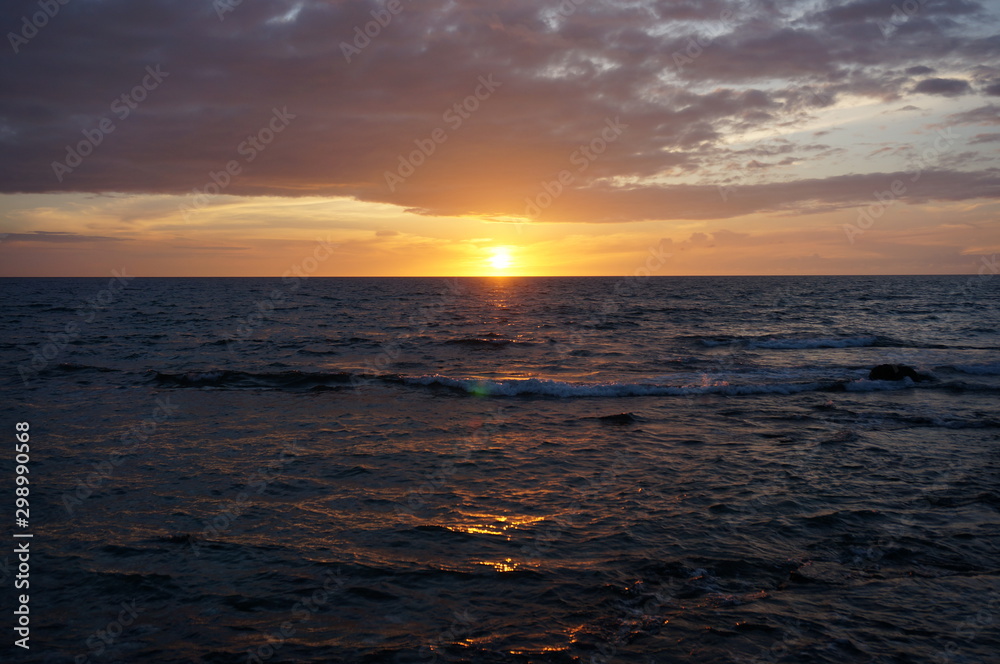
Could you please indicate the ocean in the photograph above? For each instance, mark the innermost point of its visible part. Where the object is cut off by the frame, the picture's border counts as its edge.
(668, 469)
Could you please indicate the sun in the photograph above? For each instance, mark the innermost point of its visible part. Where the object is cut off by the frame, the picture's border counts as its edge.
(501, 260)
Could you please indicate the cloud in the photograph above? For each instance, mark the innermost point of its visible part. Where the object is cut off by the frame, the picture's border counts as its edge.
(983, 115)
(695, 83)
(386, 233)
(985, 138)
(947, 87)
(610, 204)
(59, 237)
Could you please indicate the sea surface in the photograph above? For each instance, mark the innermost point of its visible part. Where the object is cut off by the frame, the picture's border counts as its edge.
(506, 470)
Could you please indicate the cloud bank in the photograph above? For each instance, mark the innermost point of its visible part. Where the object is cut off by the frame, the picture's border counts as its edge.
(727, 108)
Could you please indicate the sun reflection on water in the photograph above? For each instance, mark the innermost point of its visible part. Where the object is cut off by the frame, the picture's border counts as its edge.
(490, 524)
(505, 565)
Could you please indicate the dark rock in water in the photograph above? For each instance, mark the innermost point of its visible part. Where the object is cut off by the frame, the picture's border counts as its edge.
(620, 418)
(896, 372)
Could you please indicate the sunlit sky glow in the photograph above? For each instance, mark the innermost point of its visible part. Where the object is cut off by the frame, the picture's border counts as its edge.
(752, 153)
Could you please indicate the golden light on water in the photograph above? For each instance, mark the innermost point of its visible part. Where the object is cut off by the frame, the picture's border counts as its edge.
(489, 524)
(505, 565)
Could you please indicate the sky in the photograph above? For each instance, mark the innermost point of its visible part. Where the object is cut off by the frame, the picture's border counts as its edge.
(499, 137)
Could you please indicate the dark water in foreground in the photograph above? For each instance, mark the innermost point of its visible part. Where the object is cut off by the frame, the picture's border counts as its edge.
(411, 470)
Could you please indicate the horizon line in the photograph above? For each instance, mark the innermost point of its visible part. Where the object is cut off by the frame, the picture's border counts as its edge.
(497, 276)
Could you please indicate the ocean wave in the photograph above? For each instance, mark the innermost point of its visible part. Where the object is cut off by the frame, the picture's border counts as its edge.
(317, 351)
(865, 385)
(796, 343)
(300, 380)
(483, 343)
(557, 388)
(848, 342)
(950, 422)
(540, 387)
(238, 379)
(990, 369)
(73, 366)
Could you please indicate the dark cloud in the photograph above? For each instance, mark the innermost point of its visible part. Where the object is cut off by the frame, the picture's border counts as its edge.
(984, 115)
(987, 78)
(798, 196)
(894, 14)
(947, 87)
(685, 77)
(851, 13)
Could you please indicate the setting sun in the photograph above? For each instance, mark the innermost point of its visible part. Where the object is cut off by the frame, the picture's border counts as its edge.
(501, 259)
